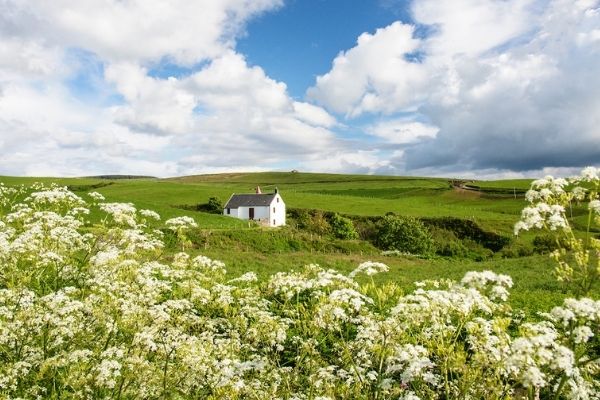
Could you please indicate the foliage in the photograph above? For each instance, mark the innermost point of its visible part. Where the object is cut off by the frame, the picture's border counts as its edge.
(404, 234)
(313, 221)
(101, 311)
(546, 243)
(214, 205)
(578, 258)
(342, 227)
(517, 249)
(467, 229)
(270, 241)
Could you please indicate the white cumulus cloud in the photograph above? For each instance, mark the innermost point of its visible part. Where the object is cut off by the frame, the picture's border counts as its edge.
(373, 76)
(510, 84)
(78, 96)
(402, 131)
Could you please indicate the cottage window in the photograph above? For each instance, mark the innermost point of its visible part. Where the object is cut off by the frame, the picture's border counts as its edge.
(273, 209)
(278, 199)
(274, 222)
(228, 211)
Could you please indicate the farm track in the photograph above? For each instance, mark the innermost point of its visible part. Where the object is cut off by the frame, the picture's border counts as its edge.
(466, 186)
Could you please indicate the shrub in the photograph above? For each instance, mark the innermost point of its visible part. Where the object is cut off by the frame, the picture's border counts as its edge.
(405, 234)
(517, 249)
(547, 243)
(467, 229)
(447, 244)
(366, 228)
(342, 227)
(214, 205)
(312, 221)
(452, 249)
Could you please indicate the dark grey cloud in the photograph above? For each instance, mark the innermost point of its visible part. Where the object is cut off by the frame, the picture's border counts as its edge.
(512, 85)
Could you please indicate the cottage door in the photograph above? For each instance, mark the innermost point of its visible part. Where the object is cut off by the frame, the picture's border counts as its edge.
(251, 213)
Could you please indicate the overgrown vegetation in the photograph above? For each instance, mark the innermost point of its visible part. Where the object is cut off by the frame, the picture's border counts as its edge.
(342, 227)
(445, 236)
(405, 234)
(108, 310)
(577, 258)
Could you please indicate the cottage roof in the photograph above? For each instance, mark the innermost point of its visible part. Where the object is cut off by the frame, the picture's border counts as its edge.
(250, 200)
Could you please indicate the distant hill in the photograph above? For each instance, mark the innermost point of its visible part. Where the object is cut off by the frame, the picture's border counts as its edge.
(294, 177)
(113, 177)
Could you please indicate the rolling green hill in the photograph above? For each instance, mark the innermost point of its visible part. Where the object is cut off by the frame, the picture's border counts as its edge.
(359, 196)
(347, 194)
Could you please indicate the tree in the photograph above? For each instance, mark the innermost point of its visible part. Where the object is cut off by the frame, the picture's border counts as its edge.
(214, 205)
(342, 227)
(404, 234)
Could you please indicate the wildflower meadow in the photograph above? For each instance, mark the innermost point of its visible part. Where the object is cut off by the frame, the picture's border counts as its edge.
(100, 308)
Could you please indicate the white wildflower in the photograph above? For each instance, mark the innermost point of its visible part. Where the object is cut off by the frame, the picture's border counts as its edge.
(594, 205)
(579, 193)
(96, 196)
(247, 277)
(122, 213)
(350, 298)
(208, 264)
(180, 223)
(590, 174)
(582, 334)
(369, 268)
(150, 214)
(411, 362)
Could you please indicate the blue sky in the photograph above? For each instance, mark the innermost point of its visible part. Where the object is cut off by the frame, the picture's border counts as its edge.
(462, 88)
(297, 43)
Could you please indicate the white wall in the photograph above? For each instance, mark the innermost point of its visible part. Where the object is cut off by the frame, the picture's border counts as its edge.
(262, 214)
(259, 213)
(279, 215)
(233, 212)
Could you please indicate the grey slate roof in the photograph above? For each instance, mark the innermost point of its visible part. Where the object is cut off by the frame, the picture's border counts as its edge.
(250, 200)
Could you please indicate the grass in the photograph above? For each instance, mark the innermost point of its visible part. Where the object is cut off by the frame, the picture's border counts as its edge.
(246, 248)
(534, 288)
(347, 194)
(510, 184)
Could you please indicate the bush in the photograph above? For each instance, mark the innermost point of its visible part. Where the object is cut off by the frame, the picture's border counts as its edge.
(214, 205)
(312, 221)
(546, 243)
(466, 229)
(452, 249)
(516, 250)
(342, 227)
(447, 244)
(404, 234)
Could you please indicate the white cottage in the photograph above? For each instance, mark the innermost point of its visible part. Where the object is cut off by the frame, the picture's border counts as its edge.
(265, 208)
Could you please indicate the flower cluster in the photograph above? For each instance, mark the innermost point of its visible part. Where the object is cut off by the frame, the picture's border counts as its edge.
(578, 259)
(180, 223)
(100, 310)
(369, 268)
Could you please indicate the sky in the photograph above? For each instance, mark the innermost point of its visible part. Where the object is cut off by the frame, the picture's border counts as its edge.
(459, 88)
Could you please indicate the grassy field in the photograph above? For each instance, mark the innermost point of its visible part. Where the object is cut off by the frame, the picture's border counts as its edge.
(267, 251)
(348, 194)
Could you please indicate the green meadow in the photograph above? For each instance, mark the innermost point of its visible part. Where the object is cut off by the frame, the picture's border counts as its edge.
(494, 206)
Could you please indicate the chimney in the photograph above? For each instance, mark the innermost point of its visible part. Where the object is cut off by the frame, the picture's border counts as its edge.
(258, 191)
(276, 189)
